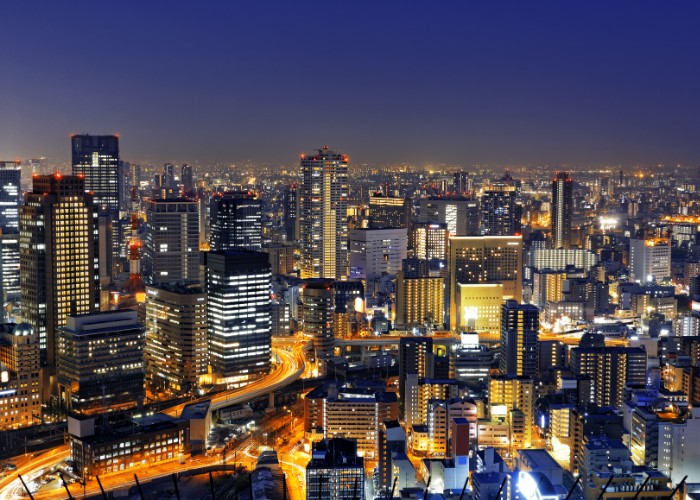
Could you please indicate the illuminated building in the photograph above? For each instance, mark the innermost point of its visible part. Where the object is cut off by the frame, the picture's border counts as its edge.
(96, 158)
(429, 240)
(20, 394)
(561, 259)
(472, 360)
(415, 358)
(171, 247)
(500, 212)
(520, 326)
(548, 286)
(176, 352)
(323, 203)
(628, 484)
(335, 471)
(238, 284)
(100, 362)
(376, 252)
(602, 453)
(562, 210)
(318, 314)
(610, 368)
(678, 453)
(10, 197)
(187, 178)
(235, 222)
(511, 400)
(419, 393)
(459, 214)
(485, 259)
(419, 301)
(650, 259)
(440, 416)
(59, 263)
(392, 447)
(389, 212)
(290, 207)
(479, 308)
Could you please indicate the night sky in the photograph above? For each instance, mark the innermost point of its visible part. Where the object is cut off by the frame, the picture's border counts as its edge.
(501, 83)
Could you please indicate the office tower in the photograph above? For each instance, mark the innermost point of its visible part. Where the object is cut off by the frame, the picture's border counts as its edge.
(58, 256)
(461, 182)
(429, 240)
(318, 313)
(485, 259)
(479, 309)
(500, 211)
(100, 361)
(335, 471)
(374, 252)
(389, 212)
(511, 400)
(419, 301)
(323, 204)
(171, 247)
(520, 325)
(96, 157)
(415, 358)
(290, 209)
(281, 257)
(238, 314)
(187, 178)
(20, 405)
(650, 259)
(610, 368)
(10, 198)
(236, 222)
(349, 300)
(169, 176)
(176, 351)
(562, 209)
(460, 214)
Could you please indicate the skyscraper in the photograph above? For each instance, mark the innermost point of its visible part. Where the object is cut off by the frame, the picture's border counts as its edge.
(10, 198)
(460, 214)
(389, 212)
(323, 203)
(500, 212)
(520, 325)
(171, 250)
(187, 178)
(562, 207)
(96, 158)
(290, 208)
(59, 263)
(236, 222)
(238, 314)
(318, 306)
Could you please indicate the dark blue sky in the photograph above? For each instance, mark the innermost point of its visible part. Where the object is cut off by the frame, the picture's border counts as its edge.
(527, 82)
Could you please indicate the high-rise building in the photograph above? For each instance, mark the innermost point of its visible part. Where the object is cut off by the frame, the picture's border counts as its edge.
(238, 314)
(479, 309)
(59, 264)
(10, 199)
(176, 349)
(650, 259)
(171, 249)
(429, 240)
(374, 252)
(520, 326)
(236, 222)
(20, 404)
(485, 259)
(169, 176)
(415, 358)
(323, 204)
(290, 209)
(335, 471)
(389, 212)
(460, 214)
(100, 361)
(318, 312)
(500, 212)
(96, 158)
(419, 301)
(187, 178)
(562, 208)
(512, 399)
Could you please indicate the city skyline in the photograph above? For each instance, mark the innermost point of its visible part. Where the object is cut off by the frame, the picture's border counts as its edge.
(552, 84)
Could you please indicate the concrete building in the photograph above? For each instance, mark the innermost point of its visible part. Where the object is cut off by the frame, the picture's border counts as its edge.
(376, 252)
(520, 326)
(236, 221)
(479, 309)
(429, 240)
(171, 246)
(650, 259)
(458, 213)
(176, 351)
(335, 471)
(419, 301)
(562, 210)
(389, 212)
(318, 313)
(20, 400)
(100, 363)
(511, 400)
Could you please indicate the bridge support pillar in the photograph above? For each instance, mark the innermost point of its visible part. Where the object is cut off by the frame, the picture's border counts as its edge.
(271, 401)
